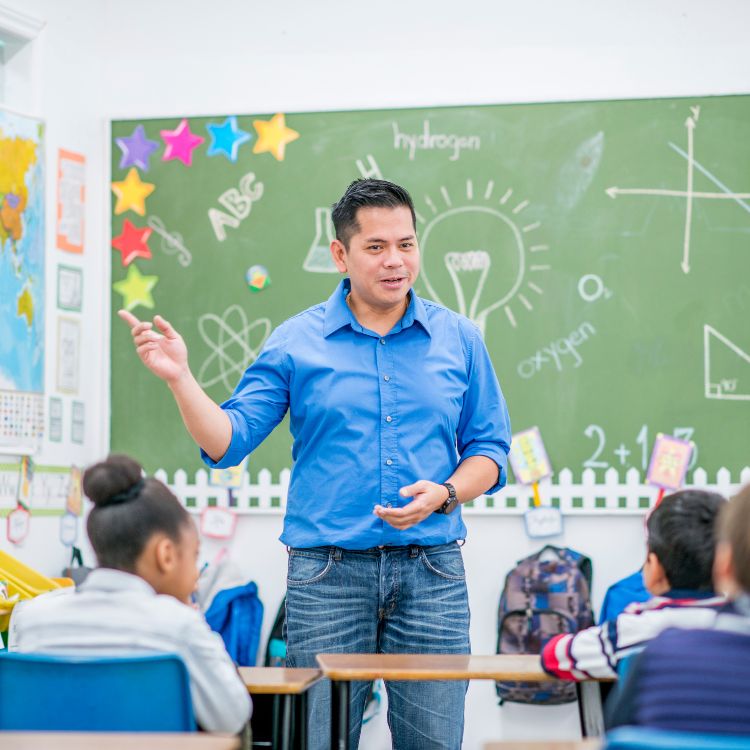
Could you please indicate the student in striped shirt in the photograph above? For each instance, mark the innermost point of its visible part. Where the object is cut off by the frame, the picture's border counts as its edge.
(696, 680)
(677, 572)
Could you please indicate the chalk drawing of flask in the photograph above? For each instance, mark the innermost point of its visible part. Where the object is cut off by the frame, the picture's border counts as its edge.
(319, 258)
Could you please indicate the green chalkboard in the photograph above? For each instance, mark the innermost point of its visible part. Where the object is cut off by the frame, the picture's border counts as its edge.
(603, 247)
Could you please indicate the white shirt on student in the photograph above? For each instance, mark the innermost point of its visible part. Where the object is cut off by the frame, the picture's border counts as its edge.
(114, 613)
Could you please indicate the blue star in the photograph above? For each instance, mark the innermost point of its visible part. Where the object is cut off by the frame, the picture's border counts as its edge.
(136, 149)
(227, 138)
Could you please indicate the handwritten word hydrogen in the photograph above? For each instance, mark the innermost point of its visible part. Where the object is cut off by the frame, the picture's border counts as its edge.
(427, 141)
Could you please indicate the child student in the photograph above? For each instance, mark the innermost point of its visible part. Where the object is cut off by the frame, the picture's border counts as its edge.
(677, 573)
(137, 600)
(696, 680)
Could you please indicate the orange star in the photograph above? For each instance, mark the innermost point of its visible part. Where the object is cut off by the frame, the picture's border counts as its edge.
(132, 193)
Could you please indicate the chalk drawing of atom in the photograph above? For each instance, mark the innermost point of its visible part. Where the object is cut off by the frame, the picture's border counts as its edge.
(234, 344)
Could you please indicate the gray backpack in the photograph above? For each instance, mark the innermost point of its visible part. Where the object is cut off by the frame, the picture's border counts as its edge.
(546, 594)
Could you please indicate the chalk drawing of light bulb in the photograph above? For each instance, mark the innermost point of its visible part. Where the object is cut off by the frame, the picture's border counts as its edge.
(319, 258)
(474, 256)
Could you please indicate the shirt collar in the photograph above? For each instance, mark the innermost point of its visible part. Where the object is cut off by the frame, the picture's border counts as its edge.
(338, 314)
(689, 594)
(109, 579)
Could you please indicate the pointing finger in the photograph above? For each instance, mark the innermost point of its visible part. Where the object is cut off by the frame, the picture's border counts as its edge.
(128, 317)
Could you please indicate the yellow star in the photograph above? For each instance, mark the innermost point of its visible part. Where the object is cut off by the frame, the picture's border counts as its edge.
(273, 135)
(132, 193)
(136, 288)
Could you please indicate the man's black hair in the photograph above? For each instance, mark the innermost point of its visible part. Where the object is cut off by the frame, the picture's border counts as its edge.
(682, 536)
(366, 193)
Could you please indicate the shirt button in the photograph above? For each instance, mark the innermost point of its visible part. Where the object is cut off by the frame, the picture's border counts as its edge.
(382, 341)
(386, 378)
(389, 505)
(388, 461)
(389, 418)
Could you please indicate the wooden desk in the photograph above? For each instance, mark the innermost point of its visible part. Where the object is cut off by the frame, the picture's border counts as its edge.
(117, 741)
(341, 669)
(289, 688)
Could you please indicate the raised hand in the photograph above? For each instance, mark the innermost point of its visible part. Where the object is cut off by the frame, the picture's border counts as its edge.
(163, 351)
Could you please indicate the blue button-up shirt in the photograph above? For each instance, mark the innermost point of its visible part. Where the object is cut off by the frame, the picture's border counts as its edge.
(370, 414)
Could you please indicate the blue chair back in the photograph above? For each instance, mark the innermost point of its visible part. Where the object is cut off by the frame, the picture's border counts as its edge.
(643, 738)
(136, 694)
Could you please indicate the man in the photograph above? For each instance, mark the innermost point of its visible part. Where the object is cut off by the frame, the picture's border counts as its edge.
(397, 418)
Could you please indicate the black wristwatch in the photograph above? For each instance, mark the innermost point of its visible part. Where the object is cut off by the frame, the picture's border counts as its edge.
(451, 503)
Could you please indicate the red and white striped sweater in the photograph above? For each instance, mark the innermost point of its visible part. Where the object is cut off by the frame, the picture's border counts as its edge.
(595, 652)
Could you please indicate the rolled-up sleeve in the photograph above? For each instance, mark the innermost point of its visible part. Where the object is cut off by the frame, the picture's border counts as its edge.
(484, 427)
(259, 402)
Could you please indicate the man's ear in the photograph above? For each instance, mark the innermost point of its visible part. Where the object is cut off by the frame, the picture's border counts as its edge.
(338, 253)
(725, 581)
(165, 554)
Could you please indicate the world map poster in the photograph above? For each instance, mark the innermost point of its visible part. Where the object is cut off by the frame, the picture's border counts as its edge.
(21, 282)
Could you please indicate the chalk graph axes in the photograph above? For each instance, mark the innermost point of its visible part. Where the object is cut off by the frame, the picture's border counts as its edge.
(689, 194)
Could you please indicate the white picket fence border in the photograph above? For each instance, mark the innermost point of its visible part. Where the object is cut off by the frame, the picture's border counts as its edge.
(587, 497)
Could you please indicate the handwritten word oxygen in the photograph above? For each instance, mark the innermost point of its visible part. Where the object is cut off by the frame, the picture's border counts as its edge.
(427, 141)
(557, 352)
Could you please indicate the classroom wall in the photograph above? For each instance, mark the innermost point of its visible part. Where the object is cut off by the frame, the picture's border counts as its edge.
(104, 59)
(54, 79)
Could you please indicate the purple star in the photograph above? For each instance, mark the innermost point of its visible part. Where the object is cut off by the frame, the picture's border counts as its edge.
(136, 149)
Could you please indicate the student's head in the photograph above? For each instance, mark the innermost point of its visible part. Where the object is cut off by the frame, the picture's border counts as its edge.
(681, 542)
(137, 525)
(732, 565)
(376, 243)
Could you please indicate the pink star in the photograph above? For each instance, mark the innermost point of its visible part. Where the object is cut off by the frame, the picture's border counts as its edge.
(180, 143)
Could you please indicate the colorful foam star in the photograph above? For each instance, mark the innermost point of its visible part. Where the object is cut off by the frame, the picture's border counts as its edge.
(181, 143)
(136, 149)
(273, 135)
(132, 193)
(132, 242)
(227, 138)
(136, 288)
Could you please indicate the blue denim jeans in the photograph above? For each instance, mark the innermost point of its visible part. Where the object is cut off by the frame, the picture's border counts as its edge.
(393, 600)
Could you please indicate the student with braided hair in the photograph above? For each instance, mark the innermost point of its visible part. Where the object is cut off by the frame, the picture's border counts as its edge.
(138, 600)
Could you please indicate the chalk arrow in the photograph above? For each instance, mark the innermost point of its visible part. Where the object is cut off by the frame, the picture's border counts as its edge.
(614, 191)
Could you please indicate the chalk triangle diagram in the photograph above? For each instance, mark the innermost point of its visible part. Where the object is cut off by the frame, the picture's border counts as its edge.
(727, 367)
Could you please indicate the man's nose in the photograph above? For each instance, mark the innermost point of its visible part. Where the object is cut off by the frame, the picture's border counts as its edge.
(392, 257)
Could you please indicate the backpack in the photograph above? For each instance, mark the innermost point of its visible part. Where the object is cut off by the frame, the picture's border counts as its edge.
(546, 594)
(236, 615)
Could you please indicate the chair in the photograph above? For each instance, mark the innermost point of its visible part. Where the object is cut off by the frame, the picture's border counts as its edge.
(643, 738)
(141, 693)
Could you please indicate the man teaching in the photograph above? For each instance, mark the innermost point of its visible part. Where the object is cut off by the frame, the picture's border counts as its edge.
(397, 418)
